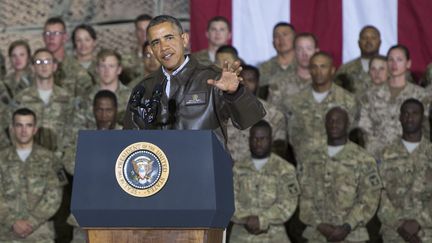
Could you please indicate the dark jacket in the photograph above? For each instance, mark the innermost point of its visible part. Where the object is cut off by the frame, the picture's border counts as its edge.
(198, 106)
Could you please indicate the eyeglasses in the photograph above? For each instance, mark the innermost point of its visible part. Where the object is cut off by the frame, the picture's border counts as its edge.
(43, 61)
(53, 33)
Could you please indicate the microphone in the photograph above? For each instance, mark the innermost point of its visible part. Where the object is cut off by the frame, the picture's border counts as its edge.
(172, 109)
(152, 106)
(136, 101)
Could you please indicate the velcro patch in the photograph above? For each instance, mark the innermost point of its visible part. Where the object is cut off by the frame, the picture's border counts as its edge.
(196, 98)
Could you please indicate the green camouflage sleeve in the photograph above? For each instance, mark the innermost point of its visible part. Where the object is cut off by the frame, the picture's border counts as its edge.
(49, 203)
(240, 212)
(368, 196)
(286, 202)
(387, 212)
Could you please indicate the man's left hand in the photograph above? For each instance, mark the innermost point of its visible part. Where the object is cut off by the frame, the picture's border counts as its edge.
(253, 225)
(339, 234)
(229, 80)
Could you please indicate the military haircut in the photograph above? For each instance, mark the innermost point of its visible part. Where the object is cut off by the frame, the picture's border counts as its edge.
(85, 27)
(366, 27)
(412, 101)
(163, 19)
(283, 24)
(43, 50)
(377, 57)
(324, 54)
(228, 49)
(261, 124)
(24, 112)
(306, 35)
(16, 43)
(218, 19)
(339, 109)
(55, 20)
(400, 47)
(105, 94)
(255, 70)
(104, 53)
(142, 17)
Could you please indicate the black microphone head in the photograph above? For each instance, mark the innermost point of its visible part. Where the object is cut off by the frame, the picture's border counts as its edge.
(158, 90)
(172, 106)
(137, 96)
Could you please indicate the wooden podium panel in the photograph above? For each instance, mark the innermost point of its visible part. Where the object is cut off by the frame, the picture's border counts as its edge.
(155, 235)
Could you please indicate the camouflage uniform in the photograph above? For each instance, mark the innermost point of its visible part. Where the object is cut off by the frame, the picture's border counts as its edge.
(71, 76)
(238, 140)
(29, 190)
(337, 190)
(306, 130)
(428, 75)
(379, 115)
(353, 78)
(51, 118)
(2, 66)
(12, 87)
(203, 57)
(407, 192)
(269, 68)
(133, 65)
(5, 119)
(283, 86)
(270, 193)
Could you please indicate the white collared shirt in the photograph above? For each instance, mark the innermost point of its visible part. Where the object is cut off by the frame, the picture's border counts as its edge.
(168, 76)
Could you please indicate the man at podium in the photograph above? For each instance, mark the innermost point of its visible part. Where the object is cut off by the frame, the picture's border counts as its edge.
(184, 94)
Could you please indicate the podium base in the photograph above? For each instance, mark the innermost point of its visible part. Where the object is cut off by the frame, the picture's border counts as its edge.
(156, 235)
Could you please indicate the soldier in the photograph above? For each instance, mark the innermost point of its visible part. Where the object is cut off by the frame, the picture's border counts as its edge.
(306, 110)
(226, 53)
(84, 40)
(265, 191)
(381, 106)
(340, 187)
(53, 105)
(150, 64)
(133, 62)
(218, 34)
(69, 74)
(406, 172)
(378, 70)
(353, 75)
(283, 42)
(109, 67)
(427, 80)
(282, 85)
(30, 191)
(237, 139)
(21, 77)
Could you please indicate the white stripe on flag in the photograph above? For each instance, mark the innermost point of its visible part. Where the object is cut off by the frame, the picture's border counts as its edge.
(253, 22)
(356, 14)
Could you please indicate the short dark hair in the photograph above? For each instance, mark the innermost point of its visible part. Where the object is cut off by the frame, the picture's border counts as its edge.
(261, 124)
(165, 18)
(253, 69)
(43, 50)
(85, 27)
(366, 27)
(102, 54)
(412, 101)
(377, 57)
(401, 47)
(324, 54)
(338, 108)
(142, 17)
(228, 49)
(219, 19)
(283, 24)
(23, 112)
(20, 43)
(105, 94)
(55, 20)
(306, 35)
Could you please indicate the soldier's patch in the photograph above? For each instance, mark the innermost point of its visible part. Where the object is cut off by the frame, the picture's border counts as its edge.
(196, 98)
(293, 189)
(374, 180)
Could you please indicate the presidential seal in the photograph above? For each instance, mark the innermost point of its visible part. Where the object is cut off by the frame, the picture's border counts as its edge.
(142, 169)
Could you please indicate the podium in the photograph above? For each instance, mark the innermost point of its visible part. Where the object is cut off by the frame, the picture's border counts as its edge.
(194, 205)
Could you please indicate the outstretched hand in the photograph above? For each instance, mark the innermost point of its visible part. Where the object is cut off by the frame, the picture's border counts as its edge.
(229, 80)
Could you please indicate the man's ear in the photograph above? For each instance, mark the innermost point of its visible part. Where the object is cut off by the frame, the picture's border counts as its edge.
(185, 37)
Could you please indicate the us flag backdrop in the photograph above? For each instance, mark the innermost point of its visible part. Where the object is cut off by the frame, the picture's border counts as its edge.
(336, 23)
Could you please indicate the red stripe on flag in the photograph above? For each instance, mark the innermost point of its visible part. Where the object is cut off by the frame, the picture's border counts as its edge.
(324, 20)
(200, 13)
(414, 31)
